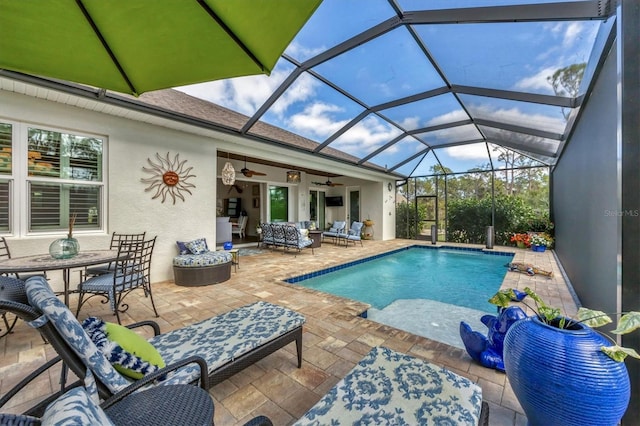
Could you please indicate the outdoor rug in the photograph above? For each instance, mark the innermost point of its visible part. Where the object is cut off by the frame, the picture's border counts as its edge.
(250, 251)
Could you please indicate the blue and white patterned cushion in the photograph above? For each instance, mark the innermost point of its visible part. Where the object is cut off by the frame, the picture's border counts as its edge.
(42, 297)
(182, 248)
(225, 337)
(218, 340)
(391, 388)
(205, 259)
(104, 284)
(75, 407)
(198, 246)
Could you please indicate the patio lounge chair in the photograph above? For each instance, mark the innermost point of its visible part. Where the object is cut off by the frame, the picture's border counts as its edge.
(208, 352)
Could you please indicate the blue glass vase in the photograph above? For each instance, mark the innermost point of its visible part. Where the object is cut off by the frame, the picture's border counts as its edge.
(64, 248)
(228, 245)
(561, 377)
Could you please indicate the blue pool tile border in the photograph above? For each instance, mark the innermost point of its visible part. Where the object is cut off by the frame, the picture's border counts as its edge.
(303, 277)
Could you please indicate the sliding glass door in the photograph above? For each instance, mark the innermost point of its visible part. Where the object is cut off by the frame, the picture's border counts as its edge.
(279, 203)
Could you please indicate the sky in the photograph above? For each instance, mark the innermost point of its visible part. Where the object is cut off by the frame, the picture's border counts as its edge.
(505, 56)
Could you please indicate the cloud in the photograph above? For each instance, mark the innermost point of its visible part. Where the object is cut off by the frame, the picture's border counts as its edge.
(476, 151)
(366, 136)
(566, 46)
(456, 115)
(302, 53)
(537, 82)
(316, 120)
(241, 94)
(302, 89)
(516, 116)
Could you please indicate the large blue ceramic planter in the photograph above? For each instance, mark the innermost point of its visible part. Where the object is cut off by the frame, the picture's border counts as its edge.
(562, 378)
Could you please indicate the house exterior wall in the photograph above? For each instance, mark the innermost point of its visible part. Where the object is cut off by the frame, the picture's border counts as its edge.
(586, 198)
(130, 142)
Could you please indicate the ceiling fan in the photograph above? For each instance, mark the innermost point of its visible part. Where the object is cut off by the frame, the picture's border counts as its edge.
(250, 173)
(328, 183)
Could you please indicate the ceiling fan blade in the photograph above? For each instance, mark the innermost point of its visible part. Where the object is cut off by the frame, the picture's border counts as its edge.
(258, 173)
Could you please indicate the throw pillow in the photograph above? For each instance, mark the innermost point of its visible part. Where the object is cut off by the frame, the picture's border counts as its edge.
(182, 248)
(198, 246)
(127, 351)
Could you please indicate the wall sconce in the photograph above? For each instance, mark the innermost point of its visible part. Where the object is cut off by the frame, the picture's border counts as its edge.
(293, 176)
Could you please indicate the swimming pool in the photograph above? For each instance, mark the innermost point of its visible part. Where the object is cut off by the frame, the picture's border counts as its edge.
(421, 289)
(462, 277)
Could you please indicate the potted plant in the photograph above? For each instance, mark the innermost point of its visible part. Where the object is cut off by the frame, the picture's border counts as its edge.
(521, 240)
(540, 242)
(562, 370)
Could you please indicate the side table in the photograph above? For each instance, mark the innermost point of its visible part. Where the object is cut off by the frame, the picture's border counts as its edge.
(235, 259)
(316, 236)
(164, 405)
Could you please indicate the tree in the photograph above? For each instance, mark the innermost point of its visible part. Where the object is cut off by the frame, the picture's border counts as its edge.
(566, 82)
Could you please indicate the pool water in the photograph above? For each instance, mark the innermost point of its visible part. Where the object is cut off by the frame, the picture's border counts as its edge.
(423, 290)
(465, 278)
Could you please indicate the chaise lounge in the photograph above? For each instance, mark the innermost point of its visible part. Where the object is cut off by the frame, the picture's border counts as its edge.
(223, 345)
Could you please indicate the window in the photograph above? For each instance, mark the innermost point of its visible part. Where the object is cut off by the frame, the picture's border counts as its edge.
(5, 173)
(62, 175)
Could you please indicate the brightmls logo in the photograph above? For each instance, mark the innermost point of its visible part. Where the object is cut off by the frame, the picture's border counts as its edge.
(622, 213)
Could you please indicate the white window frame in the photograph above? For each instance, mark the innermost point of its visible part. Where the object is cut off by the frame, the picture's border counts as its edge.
(19, 180)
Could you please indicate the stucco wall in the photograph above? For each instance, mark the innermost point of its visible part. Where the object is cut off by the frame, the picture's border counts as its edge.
(586, 198)
(130, 209)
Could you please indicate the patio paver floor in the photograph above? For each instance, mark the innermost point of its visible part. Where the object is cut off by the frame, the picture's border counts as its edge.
(335, 337)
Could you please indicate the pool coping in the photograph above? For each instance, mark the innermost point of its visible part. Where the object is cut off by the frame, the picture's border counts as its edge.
(313, 274)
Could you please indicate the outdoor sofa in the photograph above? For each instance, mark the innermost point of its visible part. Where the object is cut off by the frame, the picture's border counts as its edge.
(286, 236)
(207, 352)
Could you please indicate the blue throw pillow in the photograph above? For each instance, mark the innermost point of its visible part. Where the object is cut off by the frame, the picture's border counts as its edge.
(182, 248)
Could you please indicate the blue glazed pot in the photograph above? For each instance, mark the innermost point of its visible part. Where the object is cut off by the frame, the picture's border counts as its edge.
(562, 378)
(227, 246)
(538, 248)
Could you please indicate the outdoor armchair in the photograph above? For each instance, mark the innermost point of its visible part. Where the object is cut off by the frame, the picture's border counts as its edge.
(354, 234)
(336, 231)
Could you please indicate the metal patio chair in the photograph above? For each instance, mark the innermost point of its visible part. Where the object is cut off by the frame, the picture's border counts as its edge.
(132, 271)
(116, 240)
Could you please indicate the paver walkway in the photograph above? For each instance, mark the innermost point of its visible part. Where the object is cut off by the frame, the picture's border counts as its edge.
(335, 337)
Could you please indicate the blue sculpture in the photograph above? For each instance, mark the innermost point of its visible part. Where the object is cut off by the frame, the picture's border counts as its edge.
(488, 350)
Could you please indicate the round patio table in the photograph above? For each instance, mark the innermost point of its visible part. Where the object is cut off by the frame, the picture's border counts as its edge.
(44, 262)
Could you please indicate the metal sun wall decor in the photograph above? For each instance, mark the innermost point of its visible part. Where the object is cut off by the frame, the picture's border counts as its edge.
(169, 177)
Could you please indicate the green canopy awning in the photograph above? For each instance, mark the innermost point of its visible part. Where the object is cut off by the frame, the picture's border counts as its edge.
(135, 46)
